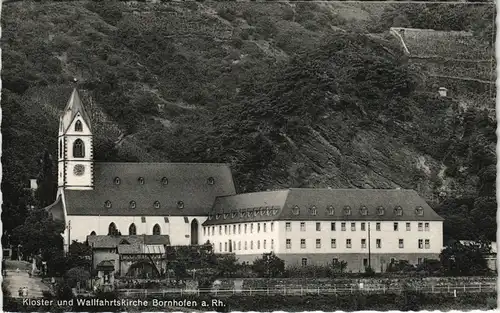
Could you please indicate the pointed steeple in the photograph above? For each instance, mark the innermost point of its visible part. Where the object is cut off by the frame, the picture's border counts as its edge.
(72, 109)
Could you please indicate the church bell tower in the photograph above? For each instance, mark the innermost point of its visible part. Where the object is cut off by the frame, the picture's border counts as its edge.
(75, 153)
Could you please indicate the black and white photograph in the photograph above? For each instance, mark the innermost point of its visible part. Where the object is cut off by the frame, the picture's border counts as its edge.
(262, 156)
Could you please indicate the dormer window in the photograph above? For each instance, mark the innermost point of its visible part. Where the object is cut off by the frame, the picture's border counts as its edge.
(180, 205)
(398, 211)
(132, 204)
(157, 204)
(141, 180)
(210, 181)
(419, 211)
(331, 210)
(268, 211)
(256, 212)
(314, 211)
(210, 217)
(347, 211)
(380, 211)
(234, 213)
(164, 181)
(217, 216)
(117, 180)
(275, 210)
(241, 213)
(107, 204)
(296, 210)
(363, 211)
(78, 126)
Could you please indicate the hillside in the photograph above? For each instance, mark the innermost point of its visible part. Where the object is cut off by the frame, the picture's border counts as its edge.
(290, 94)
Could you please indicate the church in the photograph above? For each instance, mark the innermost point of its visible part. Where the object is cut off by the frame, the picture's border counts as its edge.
(192, 203)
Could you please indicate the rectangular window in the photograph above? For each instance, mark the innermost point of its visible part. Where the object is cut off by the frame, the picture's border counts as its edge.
(363, 243)
(229, 229)
(318, 226)
(396, 226)
(251, 244)
(363, 226)
(302, 226)
(353, 226)
(213, 230)
(318, 243)
(234, 245)
(239, 245)
(379, 243)
(348, 243)
(265, 227)
(408, 226)
(272, 244)
(204, 231)
(220, 246)
(225, 246)
(186, 220)
(246, 245)
(272, 226)
(365, 262)
(333, 243)
(342, 226)
(420, 261)
(332, 226)
(239, 228)
(288, 226)
(234, 229)
(401, 244)
(420, 243)
(304, 261)
(426, 226)
(377, 227)
(302, 243)
(225, 229)
(264, 245)
(258, 244)
(420, 226)
(220, 230)
(165, 219)
(143, 219)
(251, 228)
(246, 227)
(258, 227)
(427, 244)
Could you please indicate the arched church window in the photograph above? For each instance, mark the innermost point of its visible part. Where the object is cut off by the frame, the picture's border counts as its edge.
(112, 229)
(78, 126)
(78, 149)
(156, 230)
(132, 230)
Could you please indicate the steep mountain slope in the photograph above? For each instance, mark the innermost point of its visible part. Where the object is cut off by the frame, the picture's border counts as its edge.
(291, 94)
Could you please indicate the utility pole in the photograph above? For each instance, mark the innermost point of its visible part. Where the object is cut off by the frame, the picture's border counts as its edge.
(369, 248)
(69, 234)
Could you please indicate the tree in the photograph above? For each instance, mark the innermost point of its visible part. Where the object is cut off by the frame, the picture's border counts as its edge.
(76, 275)
(465, 260)
(338, 267)
(46, 184)
(226, 264)
(269, 265)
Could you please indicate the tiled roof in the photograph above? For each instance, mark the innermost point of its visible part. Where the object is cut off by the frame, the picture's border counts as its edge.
(154, 189)
(105, 265)
(327, 204)
(141, 249)
(102, 241)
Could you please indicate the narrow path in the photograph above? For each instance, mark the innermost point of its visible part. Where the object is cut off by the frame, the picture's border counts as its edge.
(16, 280)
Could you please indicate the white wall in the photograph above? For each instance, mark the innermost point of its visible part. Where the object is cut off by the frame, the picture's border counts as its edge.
(252, 236)
(389, 237)
(178, 230)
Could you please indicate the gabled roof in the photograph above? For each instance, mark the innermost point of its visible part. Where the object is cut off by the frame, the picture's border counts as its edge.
(323, 204)
(110, 242)
(74, 107)
(165, 183)
(106, 265)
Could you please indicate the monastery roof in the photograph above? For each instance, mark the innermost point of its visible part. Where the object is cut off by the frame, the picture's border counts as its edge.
(322, 204)
(141, 249)
(152, 189)
(103, 241)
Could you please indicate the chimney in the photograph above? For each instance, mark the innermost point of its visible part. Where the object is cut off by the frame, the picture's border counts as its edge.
(443, 92)
(33, 184)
